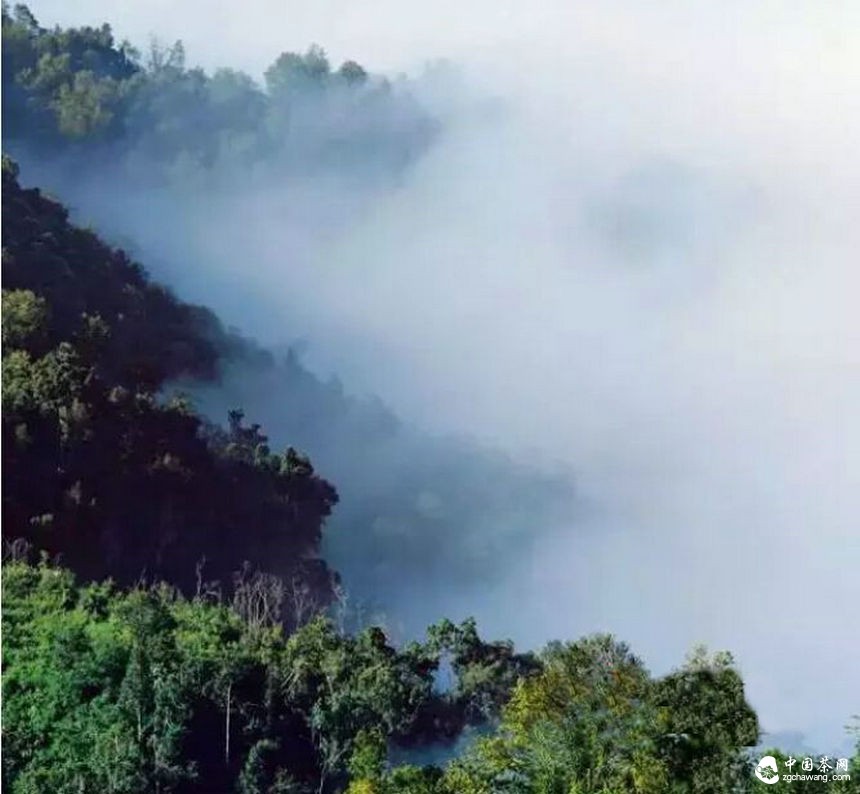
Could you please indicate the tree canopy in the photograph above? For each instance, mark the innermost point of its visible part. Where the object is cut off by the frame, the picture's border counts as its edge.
(142, 689)
(79, 92)
(98, 466)
(169, 622)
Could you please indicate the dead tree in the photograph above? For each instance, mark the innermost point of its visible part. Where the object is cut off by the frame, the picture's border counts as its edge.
(258, 597)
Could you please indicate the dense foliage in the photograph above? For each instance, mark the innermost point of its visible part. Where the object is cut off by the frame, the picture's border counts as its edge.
(143, 690)
(96, 467)
(191, 638)
(77, 91)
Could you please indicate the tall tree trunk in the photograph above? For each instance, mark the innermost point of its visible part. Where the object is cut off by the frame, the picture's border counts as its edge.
(227, 724)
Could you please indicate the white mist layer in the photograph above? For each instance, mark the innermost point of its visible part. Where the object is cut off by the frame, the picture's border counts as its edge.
(641, 261)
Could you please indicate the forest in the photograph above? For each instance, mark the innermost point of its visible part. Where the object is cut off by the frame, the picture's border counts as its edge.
(171, 621)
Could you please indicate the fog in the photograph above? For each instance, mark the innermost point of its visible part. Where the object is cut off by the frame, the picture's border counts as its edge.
(630, 252)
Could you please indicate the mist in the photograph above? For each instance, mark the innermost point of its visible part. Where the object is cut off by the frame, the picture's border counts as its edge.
(628, 253)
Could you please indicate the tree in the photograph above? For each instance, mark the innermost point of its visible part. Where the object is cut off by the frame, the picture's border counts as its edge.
(292, 73)
(709, 722)
(593, 720)
(352, 73)
(24, 316)
(97, 465)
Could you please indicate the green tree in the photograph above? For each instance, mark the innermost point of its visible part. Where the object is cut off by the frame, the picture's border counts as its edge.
(24, 318)
(292, 73)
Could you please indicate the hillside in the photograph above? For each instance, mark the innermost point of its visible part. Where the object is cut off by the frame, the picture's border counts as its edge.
(434, 515)
(225, 572)
(97, 467)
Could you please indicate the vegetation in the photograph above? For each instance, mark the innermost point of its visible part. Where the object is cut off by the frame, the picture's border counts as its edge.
(427, 510)
(99, 469)
(180, 631)
(144, 690)
(78, 92)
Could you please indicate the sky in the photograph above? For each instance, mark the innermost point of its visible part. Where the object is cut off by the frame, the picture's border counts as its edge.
(632, 251)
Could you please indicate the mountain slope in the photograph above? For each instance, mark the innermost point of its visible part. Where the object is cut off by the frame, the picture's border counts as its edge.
(97, 467)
